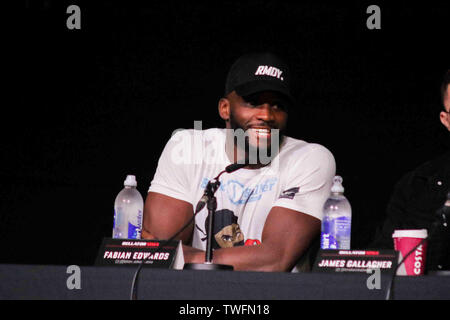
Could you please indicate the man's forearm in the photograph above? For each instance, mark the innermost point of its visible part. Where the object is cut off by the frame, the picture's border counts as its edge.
(263, 257)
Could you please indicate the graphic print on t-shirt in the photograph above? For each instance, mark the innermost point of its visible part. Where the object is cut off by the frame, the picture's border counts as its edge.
(226, 230)
(289, 194)
(240, 194)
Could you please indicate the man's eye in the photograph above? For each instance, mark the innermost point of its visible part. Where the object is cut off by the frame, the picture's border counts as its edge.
(227, 238)
(279, 105)
(251, 104)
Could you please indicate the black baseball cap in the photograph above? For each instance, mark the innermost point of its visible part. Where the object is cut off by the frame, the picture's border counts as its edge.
(257, 72)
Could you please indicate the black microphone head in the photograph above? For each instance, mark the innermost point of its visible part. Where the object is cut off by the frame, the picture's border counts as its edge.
(234, 166)
(447, 202)
(444, 211)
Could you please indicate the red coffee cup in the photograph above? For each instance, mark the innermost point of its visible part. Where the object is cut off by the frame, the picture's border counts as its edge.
(405, 241)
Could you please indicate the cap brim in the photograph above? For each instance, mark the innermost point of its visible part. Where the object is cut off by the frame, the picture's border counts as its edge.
(253, 87)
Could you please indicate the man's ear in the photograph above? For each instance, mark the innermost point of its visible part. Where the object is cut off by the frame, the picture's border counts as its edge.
(224, 109)
(445, 119)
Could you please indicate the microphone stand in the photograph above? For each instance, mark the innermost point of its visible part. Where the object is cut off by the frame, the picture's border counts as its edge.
(211, 188)
(211, 202)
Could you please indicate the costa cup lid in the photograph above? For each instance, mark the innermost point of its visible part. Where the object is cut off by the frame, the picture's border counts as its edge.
(410, 233)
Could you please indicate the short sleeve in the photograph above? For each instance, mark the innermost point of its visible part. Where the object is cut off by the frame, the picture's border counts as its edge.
(308, 182)
(172, 176)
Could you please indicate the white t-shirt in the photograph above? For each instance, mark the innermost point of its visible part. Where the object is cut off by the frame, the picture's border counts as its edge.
(298, 178)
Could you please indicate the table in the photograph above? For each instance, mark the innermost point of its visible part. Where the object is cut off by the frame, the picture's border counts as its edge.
(104, 283)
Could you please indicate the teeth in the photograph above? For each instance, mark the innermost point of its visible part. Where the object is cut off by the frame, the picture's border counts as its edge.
(261, 130)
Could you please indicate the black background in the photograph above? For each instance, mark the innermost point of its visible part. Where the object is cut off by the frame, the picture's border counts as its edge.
(90, 106)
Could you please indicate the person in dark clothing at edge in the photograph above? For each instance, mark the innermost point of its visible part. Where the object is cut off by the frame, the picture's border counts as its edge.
(418, 195)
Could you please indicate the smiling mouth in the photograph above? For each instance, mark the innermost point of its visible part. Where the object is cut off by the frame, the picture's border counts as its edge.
(263, 132)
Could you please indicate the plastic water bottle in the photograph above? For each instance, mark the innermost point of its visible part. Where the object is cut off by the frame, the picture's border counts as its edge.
(337, 219)
(128, 209)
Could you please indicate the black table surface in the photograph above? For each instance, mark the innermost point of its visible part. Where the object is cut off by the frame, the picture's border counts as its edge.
(50, 282)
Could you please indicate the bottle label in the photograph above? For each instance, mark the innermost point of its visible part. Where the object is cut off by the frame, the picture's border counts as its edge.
(327, 237)
(134, 231)
(118, 222)
(336, 233)
(327, 241)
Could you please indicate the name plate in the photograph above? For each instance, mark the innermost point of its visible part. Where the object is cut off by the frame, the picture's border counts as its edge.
(355, 260)
(153, 253)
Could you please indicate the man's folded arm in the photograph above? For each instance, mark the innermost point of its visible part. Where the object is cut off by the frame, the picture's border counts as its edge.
(164, 216)
(287, 234)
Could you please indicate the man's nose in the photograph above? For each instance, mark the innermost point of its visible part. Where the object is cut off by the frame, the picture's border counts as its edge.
(265, 112)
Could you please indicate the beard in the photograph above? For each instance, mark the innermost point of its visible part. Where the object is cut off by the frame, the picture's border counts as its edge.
(257, 146)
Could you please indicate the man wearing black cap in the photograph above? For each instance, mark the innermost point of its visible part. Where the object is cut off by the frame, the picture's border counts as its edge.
(274, 203)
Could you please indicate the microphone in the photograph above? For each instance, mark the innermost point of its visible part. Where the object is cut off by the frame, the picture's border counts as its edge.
(211, 187)
(234, 166)
(444, 212)
(209, 199)
(204, 199)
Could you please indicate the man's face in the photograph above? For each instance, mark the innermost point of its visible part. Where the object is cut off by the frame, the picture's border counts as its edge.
(229, 236)
(257, 115)
(445, 115)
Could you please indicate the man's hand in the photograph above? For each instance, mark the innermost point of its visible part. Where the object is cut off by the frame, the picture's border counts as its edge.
(193, 255)
(145, 234)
